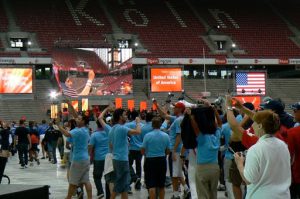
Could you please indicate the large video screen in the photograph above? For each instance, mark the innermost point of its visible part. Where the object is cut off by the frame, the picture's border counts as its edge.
(250, 83)
(15, 80)
(166, 80)
(86, 83)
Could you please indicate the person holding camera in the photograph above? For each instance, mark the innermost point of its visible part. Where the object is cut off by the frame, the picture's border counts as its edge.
(267, 169)
(207, 127)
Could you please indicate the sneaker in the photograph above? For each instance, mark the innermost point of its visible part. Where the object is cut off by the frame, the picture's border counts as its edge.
(100, 196)
(130, 192)
(187, 194)
(168, 182)
(79, 193)
(38, 162)
(22, 167)
(221, 187)
(138, 184)
(43, 158)
(175, 197)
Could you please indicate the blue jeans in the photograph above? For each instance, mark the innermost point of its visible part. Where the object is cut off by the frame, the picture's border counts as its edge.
(122, 176)
(54, 146)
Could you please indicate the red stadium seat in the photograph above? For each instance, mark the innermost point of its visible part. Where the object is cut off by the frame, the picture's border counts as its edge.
(73, 57)
(52, 21)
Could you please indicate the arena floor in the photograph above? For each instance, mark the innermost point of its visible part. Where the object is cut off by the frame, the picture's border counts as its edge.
(55, 177)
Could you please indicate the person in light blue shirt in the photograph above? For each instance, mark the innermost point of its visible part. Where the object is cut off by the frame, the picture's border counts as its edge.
(135, 155)
(208, 137)
(42, 128)
(98, 146)
(226, 132)
(175, 146)
(148, 126)
(119, 144)
(80, 166)
(156, 145)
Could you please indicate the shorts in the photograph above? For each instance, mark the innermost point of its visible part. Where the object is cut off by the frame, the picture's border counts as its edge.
(110, 177)
(155, 172)
(122, 176)
(42, 137)
(67, 159)
(234, 175)
(34, 147)
(79, 172)
(177, 167)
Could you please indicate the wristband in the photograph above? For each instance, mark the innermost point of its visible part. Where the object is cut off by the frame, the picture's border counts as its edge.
(89, 83)
(229, 108)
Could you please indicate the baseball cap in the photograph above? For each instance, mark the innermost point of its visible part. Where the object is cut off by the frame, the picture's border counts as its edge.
(273, 105)
(108, 119)
(296, 106)
(179, 105)
(249, 105)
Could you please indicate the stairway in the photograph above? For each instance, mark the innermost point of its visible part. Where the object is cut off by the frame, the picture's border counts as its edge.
(287, 90)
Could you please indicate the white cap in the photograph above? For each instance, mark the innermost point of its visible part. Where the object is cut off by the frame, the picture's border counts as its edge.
(108, 119)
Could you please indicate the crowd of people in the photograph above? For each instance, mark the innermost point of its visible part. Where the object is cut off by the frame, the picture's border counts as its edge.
(245, 151)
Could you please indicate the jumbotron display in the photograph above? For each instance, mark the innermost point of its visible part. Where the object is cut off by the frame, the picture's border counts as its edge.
(86, 83)
(15, 80)
(166, 80)
(250, 83)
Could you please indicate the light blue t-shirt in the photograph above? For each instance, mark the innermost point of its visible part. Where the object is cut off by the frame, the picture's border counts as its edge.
(119, 141)
(80, 137)
(175, 129)
(147, 128)
(226, 132)
(99, 140)
(136, 141)
(208, 147)
(107, 128)
(70, 140)
(155, 144)
(164, 125)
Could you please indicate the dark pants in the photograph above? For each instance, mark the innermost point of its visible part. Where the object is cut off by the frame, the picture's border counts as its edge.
(2, 166)
(54, 146)
(221, 166)
(170, 160)
(295, 191)
(97, 174)
(137, 157)
(23, 154)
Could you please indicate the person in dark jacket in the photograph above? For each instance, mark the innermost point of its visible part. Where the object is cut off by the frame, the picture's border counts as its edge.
(51, 137)
(4, 152)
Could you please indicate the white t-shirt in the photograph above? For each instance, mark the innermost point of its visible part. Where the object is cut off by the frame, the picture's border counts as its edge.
(268, 169)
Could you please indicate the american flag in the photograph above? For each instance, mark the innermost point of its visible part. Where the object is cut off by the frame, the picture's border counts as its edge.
(70, 92)
(251, 83)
